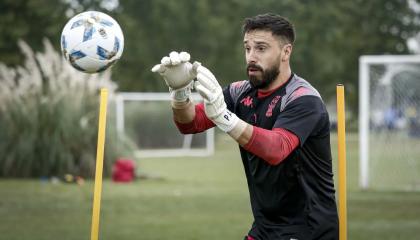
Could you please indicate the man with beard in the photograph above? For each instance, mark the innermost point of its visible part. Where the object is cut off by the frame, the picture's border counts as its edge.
(280, 123)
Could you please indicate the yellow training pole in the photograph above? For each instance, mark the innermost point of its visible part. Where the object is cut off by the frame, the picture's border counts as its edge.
(99, 165)
(342, 177)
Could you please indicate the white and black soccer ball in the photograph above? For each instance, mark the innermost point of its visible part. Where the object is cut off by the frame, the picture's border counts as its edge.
(92, 41)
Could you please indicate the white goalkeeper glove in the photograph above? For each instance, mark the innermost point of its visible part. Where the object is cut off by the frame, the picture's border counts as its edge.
(214, 104)
(178, 74)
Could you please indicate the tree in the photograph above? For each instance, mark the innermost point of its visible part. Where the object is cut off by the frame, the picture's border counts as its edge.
(34, 20)
(30, 21)
(336, 33)
(331, 35)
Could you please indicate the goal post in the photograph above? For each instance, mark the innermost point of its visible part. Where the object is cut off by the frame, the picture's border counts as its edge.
(389, 122)
(146, 118)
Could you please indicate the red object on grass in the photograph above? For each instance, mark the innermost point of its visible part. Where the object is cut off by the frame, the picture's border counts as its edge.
(123, 170)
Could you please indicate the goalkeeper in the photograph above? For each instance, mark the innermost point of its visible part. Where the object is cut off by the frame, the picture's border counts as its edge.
(280, 123)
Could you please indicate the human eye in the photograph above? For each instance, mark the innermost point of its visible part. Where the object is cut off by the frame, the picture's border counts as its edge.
(261, 48)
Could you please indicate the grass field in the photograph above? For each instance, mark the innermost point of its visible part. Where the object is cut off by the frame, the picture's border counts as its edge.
(197, 198)
(394, 161)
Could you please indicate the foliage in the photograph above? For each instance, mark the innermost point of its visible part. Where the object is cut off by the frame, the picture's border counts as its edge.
(48, 117)
(31, 21)
(331, 35)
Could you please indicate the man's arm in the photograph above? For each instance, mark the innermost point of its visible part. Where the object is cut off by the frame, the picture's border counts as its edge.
(271, 145)
(178, 74)
(184, 112)
(244, 137)
(191, 118)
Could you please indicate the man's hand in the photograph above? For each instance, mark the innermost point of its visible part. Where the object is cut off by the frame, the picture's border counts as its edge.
(178, 74)
(214, 103)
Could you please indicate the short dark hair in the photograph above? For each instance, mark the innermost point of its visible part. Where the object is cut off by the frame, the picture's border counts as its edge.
(278, 25)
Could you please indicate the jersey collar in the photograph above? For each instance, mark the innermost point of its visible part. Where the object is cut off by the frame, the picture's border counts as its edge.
(263, 94)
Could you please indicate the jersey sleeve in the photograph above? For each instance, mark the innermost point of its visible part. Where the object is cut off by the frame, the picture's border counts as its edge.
(305, 116)
(199, 124)
(273, 146)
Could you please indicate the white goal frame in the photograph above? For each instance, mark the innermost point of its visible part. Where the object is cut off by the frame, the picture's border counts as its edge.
(186, 150)
(364, 108)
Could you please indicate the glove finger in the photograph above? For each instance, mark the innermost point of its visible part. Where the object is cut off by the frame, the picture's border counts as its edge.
(174, 56)
(209, 75)
(184, 56)
(159, 68)
(194, 68)
(205, 81)
(165, 61)
(204, 92)
(195, 84)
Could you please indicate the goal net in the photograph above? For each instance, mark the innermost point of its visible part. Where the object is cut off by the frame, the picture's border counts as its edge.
(146, 118)
(389, 122)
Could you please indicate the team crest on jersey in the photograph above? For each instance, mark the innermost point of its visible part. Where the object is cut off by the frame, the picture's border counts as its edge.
(271, 106)
(247, 102)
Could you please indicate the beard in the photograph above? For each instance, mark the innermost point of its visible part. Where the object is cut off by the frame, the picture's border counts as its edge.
(266, 78)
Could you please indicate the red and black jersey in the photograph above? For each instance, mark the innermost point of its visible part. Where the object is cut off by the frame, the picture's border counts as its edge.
(295, 198)
(292, 195)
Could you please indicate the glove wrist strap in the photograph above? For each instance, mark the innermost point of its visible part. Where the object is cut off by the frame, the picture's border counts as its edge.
(238, 129)
(181, 94)
(181, 105)
(226, 121)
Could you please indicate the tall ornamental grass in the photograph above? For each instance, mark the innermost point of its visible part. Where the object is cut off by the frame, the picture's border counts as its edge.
(49, 117)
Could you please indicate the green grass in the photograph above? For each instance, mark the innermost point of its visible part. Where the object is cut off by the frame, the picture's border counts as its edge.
(395, 161)
(198, 198)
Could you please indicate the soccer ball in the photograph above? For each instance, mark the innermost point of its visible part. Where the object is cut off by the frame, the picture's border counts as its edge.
(92, 41)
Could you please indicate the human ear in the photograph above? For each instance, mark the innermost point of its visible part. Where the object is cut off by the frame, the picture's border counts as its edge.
(287, 51)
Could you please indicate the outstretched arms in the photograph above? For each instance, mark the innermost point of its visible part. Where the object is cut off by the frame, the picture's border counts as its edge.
(271, 145)
(216, 109)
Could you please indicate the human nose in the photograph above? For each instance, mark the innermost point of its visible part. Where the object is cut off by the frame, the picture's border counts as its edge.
(251, 57)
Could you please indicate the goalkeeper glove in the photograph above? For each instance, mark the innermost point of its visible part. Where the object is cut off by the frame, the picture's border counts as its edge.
(178, 74)
(214, 104)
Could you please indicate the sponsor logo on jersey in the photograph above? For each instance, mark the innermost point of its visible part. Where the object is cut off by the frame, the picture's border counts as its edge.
(247, 102)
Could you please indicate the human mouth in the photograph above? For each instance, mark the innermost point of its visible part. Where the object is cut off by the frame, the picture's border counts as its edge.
(253, 70)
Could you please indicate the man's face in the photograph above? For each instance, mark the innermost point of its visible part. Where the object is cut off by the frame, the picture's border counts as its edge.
(264, 54)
